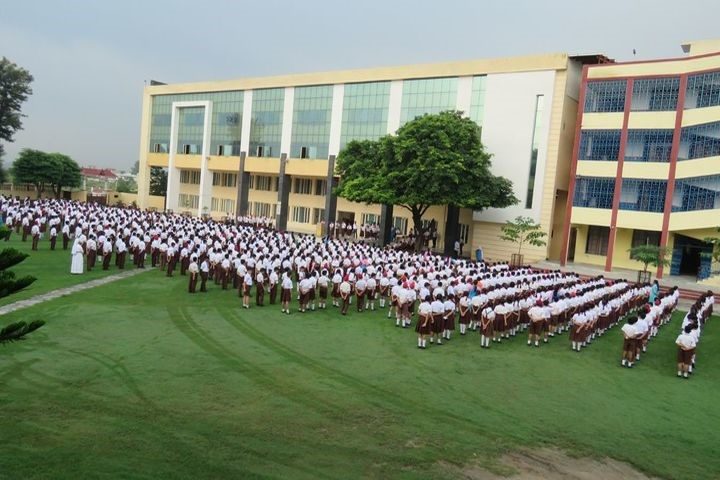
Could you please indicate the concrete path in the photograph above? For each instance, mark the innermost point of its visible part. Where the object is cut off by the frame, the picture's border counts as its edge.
(61, 292)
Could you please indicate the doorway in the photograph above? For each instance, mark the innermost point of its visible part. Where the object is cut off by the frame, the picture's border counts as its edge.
(686, 255)
(571, 245)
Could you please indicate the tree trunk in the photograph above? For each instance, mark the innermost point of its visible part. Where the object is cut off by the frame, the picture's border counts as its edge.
(417, 223)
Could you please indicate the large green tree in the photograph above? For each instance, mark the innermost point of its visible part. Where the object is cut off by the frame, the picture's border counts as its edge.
(14, 90)
(434, 159)
(158, 181)
(53, 171)
(65, 173)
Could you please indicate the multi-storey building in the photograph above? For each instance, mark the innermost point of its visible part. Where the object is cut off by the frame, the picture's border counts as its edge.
(267, 146)
(646, 161)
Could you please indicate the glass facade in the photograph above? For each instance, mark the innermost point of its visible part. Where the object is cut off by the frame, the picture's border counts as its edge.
(655, 94)
(190, 130)
(430, 95)
(266, 122)
(643, 195)
(311, 122)
(537, 128)
(477, 99)
(599, 145)
(226, 123)
(365, 111)
(594, 192)
(700, 141)
(697, 193)
(703, 90)
(605, 96)
(649, 145)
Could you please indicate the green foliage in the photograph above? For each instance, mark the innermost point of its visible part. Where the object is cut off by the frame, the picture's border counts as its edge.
(3, 172)
(14, 90)
(649, 255)
(126, 185)
(17, 331)
(158, 181)
(715, 241)
(135, 168)
(432, 160)
(523, 230)
(46, 170)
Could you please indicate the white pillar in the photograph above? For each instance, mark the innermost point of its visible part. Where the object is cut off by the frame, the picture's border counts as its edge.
(464, 95)
(393, 123)
(286, 137)
(205, 193)
(246, 121)
(173, 174)
(336, 119)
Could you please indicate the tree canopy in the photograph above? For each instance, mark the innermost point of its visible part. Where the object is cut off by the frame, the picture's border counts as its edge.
(523, 230)
(158, 181)
(53, 171)
(434, 159)
(14, 90)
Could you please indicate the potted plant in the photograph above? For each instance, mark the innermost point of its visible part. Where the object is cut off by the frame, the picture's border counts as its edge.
(522, 230)
(648, 255)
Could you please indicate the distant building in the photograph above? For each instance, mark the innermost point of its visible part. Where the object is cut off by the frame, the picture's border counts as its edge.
(267, 146)
(646, 161)
(97, 179)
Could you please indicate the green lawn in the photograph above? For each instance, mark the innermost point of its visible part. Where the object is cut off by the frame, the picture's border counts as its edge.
(51, 268)
(138, 379)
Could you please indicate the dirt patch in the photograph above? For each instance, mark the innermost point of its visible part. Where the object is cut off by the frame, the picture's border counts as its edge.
(552, 464)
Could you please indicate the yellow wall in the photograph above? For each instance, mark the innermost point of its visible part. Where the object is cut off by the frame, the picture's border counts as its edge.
(698, 167)
(694, 220)
(670, 67)
(639, 220)
(656, 170)
(696, 116)
(601, 121)
(590, 216)
(590, 168)
(652, 120)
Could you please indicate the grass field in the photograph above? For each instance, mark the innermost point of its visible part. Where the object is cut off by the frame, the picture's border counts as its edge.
(138, 379)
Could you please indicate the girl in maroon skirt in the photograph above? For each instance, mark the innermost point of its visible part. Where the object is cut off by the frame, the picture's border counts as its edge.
(464, 309)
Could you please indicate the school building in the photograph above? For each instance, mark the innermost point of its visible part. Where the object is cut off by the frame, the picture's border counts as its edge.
(267, 146)
(646, 162)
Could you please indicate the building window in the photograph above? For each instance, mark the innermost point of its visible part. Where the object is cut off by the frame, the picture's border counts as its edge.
(188, 201)
(645, 237)
(160, 148)
(262, 210)
(227, 122)
(266, 121)
(214, 204)
(464, 232)
(597, 240)
(301, 214)
(696, 193)
(224, 179)
(594, 192)
(655, 94)
(599, 145)
(605, 96)
(303, 186)
(321, 188)
(369, 219)
(700, 141)
(365, 111)
(649, 145)
(428, 95)
(261, 182)
(190, 177)
(311, 122)
(643, 195)
(477, 99)
(537, 128)
(318, 215)
(401, 225)
(703, 90)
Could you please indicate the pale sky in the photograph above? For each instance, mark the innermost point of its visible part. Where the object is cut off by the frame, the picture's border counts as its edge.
(90, 58)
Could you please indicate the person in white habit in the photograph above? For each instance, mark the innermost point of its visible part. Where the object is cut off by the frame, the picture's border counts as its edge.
(77, 252)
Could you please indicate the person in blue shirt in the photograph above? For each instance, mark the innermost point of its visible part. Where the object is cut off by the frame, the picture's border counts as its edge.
(654, 291)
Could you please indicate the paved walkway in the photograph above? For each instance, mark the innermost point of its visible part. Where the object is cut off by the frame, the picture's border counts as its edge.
(61, 292)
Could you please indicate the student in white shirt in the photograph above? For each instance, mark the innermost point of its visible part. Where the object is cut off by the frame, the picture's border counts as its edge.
(686, 348)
